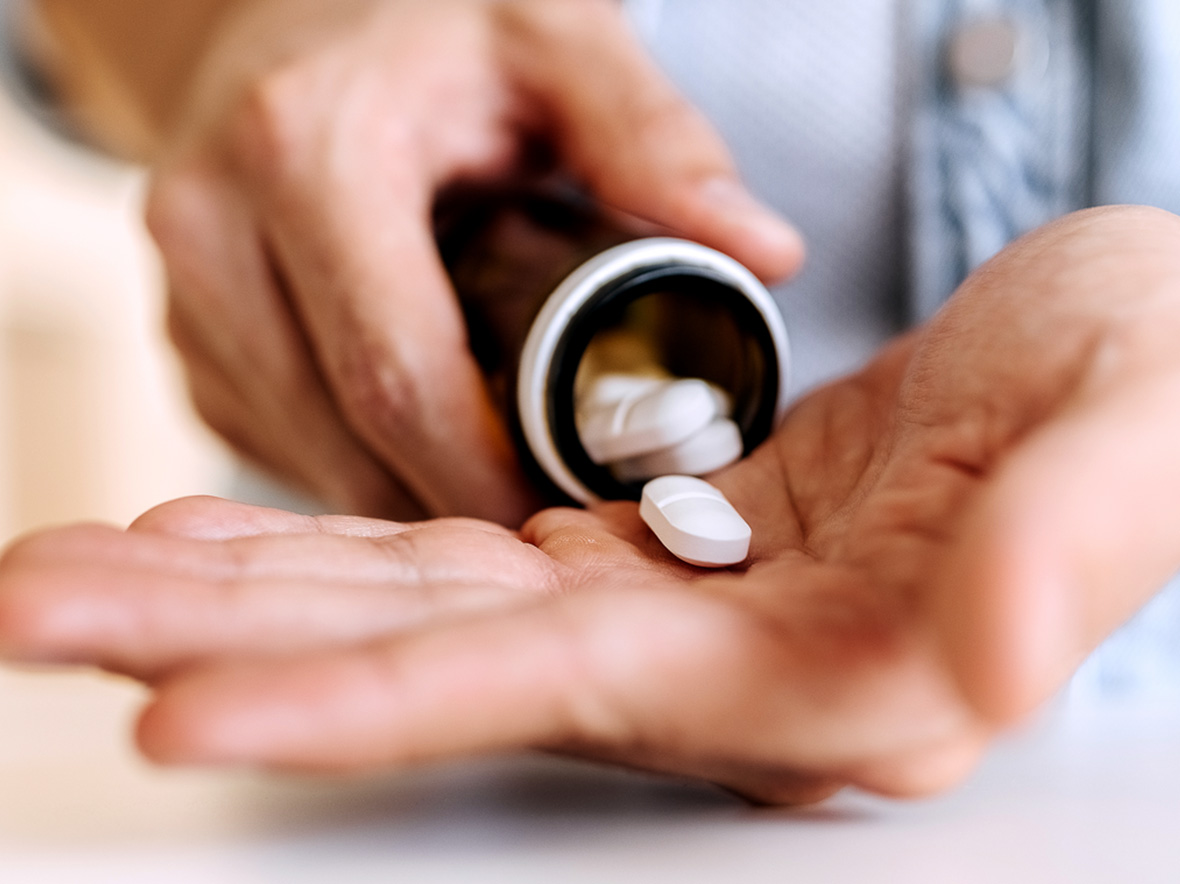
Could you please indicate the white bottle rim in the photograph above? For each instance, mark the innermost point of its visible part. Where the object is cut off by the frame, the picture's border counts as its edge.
(577, 290)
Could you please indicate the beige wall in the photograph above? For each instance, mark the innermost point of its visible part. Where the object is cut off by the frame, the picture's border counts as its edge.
(93, 420)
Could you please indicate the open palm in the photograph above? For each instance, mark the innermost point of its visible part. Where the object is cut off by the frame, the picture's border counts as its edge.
(938, 541)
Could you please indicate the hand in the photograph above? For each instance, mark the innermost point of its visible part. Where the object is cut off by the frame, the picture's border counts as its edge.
(939, 540)
(293, 208)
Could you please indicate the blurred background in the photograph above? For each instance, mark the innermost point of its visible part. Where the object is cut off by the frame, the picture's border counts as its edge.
(94, 420)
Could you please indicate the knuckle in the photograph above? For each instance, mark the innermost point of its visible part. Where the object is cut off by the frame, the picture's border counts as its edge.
(268, 125)
(678, 133)
(526, 19)
(668, 143)
(183, 215)
(661, 113)
(381, 392)
(176, 202)
(553, 26)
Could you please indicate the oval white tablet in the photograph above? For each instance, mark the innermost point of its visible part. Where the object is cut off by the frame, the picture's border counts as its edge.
(724, 400)
(716, 446)
(647, 420)
(695, 521)
(613, 387)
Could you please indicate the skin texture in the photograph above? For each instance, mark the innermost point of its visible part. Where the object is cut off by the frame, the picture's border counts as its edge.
(296, 158)
(939, 541)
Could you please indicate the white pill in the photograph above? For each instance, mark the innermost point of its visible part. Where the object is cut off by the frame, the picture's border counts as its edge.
(647, 420)
(695, 521)
(724, 400)
(718, 445)
(611, 388)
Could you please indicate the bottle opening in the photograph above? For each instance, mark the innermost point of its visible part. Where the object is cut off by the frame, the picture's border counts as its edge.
(672, 320)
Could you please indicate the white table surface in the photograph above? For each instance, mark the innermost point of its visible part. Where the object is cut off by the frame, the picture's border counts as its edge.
(1078, 798)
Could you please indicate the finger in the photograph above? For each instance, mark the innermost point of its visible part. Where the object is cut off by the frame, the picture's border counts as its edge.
(348, 214)
(483, 686)
(1079, 530)
(680, 683)
(251, 375)
(327, 463)
(636, 141)
(393, 346)
(395, 353)
(143, 603)
(211, 518)
(608, 536)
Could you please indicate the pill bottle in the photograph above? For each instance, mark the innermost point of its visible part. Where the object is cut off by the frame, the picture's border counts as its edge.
(549, 282)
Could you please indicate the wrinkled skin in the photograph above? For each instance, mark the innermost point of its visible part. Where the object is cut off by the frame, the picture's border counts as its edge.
(292, 196)
(939, 540)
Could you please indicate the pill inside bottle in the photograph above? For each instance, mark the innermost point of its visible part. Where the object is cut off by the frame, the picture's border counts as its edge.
(640, 421)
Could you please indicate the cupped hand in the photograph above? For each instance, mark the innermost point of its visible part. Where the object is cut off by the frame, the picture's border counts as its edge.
(292, 203)
(939, 540)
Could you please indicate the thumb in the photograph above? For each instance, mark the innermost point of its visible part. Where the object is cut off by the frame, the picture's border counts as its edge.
(640, 146)
(1080, 528)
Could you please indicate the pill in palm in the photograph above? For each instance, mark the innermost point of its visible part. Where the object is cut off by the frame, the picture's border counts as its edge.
(715, 446)
(647, 420)
(694, 521)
